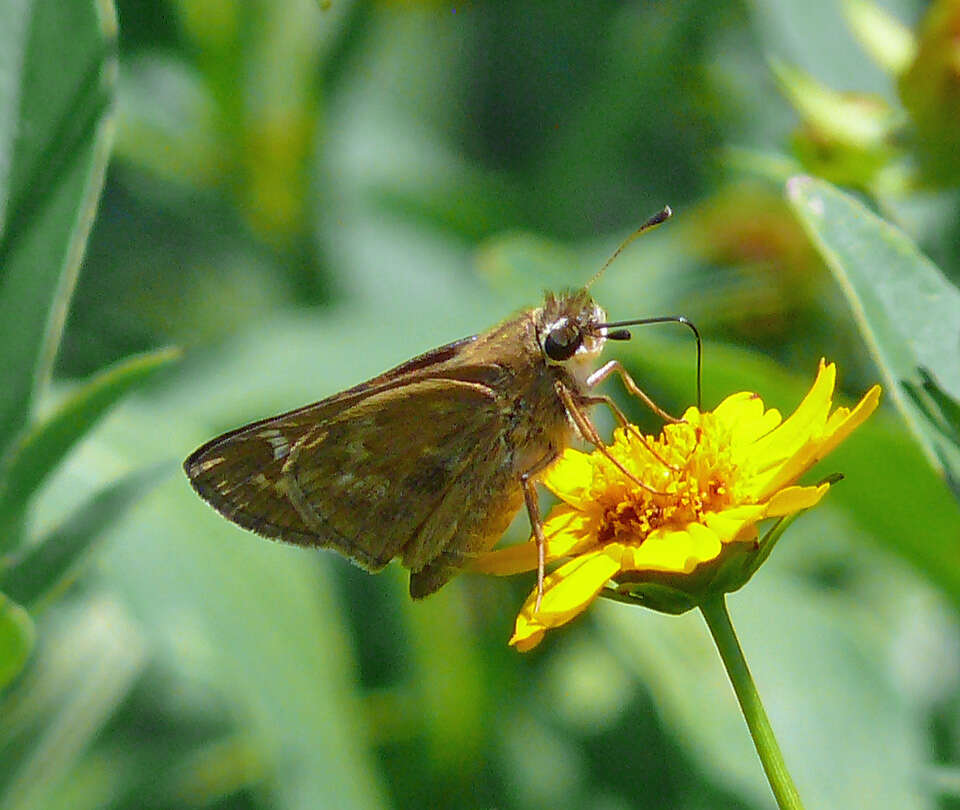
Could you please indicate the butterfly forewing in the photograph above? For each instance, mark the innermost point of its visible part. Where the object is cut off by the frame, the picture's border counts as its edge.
(237, 473)
(368, 471)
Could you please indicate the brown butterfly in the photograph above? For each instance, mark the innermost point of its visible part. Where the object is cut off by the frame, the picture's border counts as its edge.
(430, 461)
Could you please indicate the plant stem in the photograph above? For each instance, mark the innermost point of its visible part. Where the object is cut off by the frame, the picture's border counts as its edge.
(724, 636)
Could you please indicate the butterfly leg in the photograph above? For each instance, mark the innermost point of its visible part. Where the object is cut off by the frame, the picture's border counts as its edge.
(529, 484)
(589, 433)
(621, 417)
(603, 399)
(614, 367)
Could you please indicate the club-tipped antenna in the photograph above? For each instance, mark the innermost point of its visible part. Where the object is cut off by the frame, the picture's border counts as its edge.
(657, 219)
(621, 333)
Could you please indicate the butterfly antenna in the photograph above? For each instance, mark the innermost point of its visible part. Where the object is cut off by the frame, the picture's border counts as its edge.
(620, 333)
(658, 218)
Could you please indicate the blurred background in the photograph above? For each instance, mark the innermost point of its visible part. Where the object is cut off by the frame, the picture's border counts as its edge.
(301, 194)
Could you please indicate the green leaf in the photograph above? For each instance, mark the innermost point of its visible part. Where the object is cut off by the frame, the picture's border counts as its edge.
(15, 23)
(938, 406)
(907, 311)
(16, 639)
(48, 442)
(84, 669)
(270, 622)
(55, 102)
(52, 563)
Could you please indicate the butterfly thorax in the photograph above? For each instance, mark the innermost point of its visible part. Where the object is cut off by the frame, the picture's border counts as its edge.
(537, 424)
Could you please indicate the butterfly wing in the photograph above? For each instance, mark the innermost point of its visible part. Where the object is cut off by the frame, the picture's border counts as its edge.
(237, 472)
(366, 472)
(385, 474)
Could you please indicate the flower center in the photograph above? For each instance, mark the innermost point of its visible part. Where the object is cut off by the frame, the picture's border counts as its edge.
(701, 482)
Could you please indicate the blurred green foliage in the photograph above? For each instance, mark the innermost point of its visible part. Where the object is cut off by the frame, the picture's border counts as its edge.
(302, 194)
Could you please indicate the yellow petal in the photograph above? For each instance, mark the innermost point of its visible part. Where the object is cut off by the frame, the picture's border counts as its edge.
(729, 524)
(566, 593)
(571, 478)
(734, 406)
(806, 421)
(793, 499)
(565, 530)
(574, 585)
(744, 416)
(526, 640)
(819, 446)
(787, 472)
(674, 550)
(748, 432)
(842, 425)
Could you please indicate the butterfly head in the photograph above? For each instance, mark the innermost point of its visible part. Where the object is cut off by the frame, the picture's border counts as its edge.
(567, 329)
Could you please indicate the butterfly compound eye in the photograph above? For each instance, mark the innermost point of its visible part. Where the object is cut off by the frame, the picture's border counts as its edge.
(562, 342)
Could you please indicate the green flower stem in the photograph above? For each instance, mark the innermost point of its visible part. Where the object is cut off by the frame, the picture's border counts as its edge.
(724, 636)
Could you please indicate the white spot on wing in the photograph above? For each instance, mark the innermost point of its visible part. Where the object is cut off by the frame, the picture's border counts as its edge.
(279, 443)
(209, 464)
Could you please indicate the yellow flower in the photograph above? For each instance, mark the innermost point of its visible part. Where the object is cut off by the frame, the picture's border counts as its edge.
(692, 495)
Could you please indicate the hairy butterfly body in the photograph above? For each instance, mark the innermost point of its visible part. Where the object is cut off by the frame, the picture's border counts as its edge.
(426, 462)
